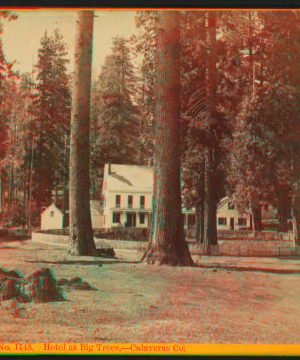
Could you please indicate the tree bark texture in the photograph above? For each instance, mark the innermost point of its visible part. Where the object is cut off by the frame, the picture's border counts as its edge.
(2, 188)
(296, 219)
(256, 216)
(167, 245)
(210, 199)
(81, 233)
(210, 205)
(199, 231)
(41, 286)
(283, 216)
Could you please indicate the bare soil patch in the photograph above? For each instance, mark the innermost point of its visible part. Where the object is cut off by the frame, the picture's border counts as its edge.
(220, 301)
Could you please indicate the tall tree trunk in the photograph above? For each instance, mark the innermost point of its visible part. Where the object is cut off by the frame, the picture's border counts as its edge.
(256, 217)
(81, 233)
(283, 216)
(11, 187)
(295, 210)
(199, 231)
(206, 232)
(56, 187)
(1, 190)
(213, 211)
(64, 199)
(1, 198)
(210, 205)
(167, 245)
(212, 22)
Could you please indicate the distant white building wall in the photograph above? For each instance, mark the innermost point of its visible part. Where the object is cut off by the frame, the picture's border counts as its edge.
(121, 208)
(128, 201)
(51, 218)
(97, 219)
(229, 217)
(127, 192)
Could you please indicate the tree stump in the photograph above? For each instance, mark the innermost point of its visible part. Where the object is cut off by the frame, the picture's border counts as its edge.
(41, 286)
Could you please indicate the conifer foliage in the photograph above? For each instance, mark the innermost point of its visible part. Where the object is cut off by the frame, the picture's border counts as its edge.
(236, 126)
(115, 116)
(50, 117)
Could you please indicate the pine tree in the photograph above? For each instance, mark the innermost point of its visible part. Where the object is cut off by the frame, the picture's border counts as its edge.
(51, 115)
(114, 116)
(6, 75)
(281, 57)
(144, 46)
(268, 116)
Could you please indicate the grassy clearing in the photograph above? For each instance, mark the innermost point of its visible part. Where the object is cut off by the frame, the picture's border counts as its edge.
(141, 303)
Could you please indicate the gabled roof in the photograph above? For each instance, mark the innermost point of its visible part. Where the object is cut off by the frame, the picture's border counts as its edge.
(52, 207)
(223, 201)
(228, 199)
(94, 205)
(128, 178)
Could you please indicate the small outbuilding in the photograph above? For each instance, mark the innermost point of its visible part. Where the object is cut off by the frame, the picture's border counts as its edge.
(52, 218)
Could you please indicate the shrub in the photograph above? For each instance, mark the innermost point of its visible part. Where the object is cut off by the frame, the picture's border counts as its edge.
(15, 215)
(270, 224)
(130, 234)
(135, 234)
(18, 217)
(4, 233)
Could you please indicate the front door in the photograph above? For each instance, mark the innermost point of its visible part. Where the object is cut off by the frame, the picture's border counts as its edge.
(131, 220)
(231, 223)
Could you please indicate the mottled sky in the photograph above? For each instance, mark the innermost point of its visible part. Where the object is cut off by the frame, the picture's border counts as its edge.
(21, 38)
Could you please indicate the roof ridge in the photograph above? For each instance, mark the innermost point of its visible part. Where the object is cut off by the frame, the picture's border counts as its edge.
(120, 177)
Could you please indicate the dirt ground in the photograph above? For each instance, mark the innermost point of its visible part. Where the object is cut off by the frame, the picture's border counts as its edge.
(222, 300)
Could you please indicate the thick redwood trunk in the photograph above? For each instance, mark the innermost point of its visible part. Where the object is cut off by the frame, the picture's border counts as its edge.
(212, 173)
(206, 232)
(168, 245)
(213, 219)
(56, 187)
(1, 189)
(81, 233)
(4, 188)
(210, 205)
(199, 230)
(256, 217)
(11, 187)
(296, 220)
(283, 216)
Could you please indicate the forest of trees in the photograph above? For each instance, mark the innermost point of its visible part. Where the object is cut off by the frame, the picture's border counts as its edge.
(239, 116)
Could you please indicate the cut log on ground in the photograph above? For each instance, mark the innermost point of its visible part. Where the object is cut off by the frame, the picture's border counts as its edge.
(75, 283)
(41, 286)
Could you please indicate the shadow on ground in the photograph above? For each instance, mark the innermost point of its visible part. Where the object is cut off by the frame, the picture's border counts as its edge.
(84, 262)
(249, 268)
(214, 267)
